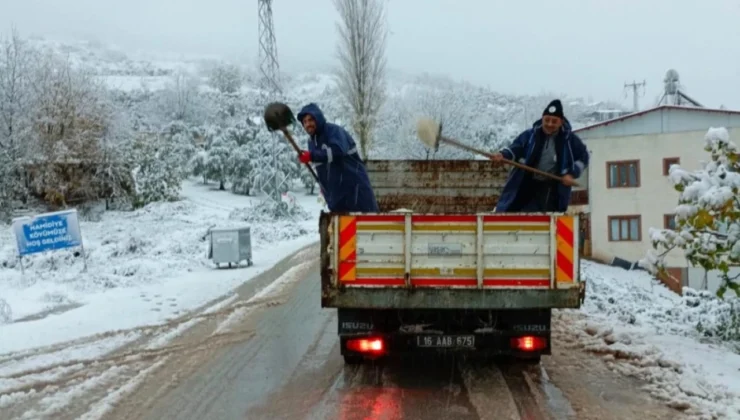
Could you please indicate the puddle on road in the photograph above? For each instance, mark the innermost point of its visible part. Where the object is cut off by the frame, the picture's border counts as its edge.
(558, 405)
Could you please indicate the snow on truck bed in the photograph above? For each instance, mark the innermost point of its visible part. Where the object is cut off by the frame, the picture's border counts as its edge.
(144, 267)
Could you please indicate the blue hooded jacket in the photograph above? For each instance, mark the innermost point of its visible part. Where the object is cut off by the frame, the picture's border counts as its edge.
(572, 157)
(344, 181)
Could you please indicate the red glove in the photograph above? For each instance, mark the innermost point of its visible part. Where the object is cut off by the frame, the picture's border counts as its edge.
(305, 156)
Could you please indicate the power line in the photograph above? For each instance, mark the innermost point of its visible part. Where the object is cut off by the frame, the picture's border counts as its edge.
(634, 87)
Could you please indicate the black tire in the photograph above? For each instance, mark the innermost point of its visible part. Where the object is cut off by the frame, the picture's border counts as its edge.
(353, 359)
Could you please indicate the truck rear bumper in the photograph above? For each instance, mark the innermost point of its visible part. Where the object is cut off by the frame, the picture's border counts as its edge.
(432, 298)
(478, 344)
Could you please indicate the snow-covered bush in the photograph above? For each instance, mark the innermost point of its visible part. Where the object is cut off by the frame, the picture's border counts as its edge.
(218, 156)
(708, 214)
(240, 169)
(272, 221)
(226, 78)
(157, 176)
(198, 165)
(714, 318)
(269, 210)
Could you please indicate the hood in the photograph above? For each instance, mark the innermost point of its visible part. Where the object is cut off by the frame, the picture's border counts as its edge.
(566, 128)
(313, 110)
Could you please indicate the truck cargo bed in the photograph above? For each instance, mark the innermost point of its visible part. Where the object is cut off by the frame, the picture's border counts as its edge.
(478, 261)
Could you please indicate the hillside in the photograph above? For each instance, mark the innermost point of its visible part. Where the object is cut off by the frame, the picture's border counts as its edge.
(131, 72)
(91, 121)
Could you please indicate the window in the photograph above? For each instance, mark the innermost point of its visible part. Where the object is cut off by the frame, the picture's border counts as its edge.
(669, 221)
(667, 162)
(624, 228)
(623, 174)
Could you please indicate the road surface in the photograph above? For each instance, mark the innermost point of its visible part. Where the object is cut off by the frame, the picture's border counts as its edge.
(276, 356)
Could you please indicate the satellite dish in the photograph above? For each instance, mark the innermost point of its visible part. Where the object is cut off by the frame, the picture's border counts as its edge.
(671, 82)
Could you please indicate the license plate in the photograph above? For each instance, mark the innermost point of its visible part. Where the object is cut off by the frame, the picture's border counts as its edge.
(446, 341)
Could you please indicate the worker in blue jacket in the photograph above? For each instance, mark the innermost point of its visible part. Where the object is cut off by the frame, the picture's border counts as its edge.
(550, 146)
(342, 175)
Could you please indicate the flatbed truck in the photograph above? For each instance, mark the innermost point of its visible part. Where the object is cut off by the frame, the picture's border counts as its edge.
(437, 270)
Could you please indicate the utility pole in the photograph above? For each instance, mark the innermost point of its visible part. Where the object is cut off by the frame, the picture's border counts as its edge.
(634, 87)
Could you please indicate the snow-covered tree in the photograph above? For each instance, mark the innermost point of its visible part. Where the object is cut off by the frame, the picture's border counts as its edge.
(114, 172)
(226, 78)
(157, 173)
(708, 213)
(362, 40)
(16, 97)
(70, 117)
(240, 169)
(218, 156)
(180, 98)
(199, 165)
(179, 139)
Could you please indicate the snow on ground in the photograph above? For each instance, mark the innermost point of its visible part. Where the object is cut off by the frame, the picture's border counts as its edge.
(143, 267)
(643, 330)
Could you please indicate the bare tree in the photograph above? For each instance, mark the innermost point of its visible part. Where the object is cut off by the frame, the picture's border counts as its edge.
(180, 96)
(361, 50)
(70, 117)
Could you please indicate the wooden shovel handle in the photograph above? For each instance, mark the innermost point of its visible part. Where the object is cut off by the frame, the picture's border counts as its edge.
(510, 162)
(298, 151)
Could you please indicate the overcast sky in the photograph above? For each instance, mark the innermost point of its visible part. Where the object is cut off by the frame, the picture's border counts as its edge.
(586, 48)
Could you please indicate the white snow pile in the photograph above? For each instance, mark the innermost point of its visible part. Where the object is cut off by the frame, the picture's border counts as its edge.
(684, 348)
(643, 300)
(273, 221)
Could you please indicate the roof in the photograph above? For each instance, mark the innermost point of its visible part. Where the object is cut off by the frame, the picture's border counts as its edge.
(657, 108)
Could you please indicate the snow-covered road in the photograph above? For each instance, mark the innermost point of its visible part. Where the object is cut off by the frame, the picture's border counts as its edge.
(76, 334)
(148, 280)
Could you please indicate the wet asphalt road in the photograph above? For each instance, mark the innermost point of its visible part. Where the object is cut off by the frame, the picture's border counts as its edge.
(292, 369)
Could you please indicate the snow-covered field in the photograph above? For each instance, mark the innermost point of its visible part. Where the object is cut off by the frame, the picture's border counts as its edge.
(642, 329)
(143, 267)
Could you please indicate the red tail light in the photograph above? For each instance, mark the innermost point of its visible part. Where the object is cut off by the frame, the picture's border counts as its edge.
(529, 343)
(366, 345)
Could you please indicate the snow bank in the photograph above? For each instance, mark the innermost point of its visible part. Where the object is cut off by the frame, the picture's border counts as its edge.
(139, 248)
(677, 345)
(272, 221)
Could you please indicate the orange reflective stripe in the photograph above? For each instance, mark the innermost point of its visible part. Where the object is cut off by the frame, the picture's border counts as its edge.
(564, 260)
(347, 248)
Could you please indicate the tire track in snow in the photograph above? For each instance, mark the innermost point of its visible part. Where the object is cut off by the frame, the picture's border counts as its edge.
(146, 345)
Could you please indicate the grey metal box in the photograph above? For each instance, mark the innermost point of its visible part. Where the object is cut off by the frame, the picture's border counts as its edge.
(230, 246)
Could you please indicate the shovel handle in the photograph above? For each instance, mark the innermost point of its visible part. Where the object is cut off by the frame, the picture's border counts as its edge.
(298, 151)
(510, 162)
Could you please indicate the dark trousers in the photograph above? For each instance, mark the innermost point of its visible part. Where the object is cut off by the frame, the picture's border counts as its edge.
(536, 197)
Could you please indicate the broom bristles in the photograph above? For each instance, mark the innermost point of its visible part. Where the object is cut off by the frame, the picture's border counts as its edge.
(428, 132)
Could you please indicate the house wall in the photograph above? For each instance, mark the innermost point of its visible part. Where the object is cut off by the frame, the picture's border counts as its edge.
(647, 138)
